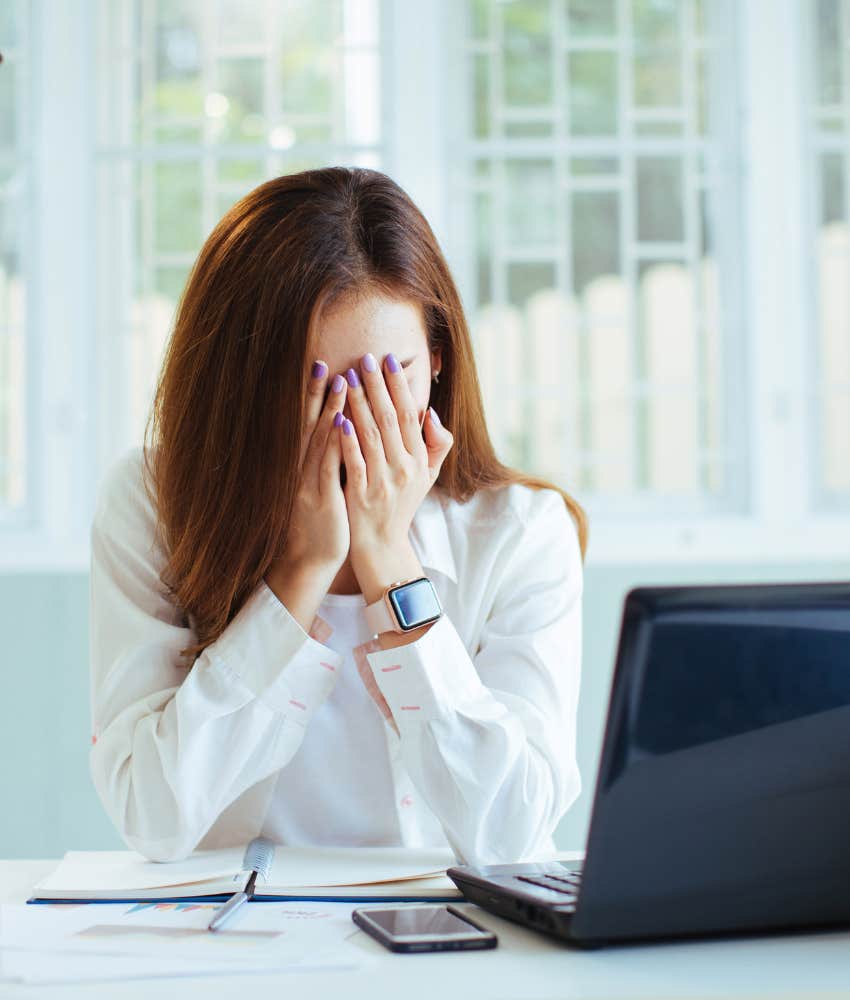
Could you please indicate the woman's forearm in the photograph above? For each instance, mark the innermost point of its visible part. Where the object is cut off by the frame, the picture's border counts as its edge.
(300, 588)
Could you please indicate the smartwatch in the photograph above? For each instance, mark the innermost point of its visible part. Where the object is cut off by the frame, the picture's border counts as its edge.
(404, 605)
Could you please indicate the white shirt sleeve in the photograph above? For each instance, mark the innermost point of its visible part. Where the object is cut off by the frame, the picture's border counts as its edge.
(172, 747)
(490, 740)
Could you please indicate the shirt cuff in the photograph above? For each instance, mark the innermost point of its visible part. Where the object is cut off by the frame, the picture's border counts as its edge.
(428, 677)
(266, 647)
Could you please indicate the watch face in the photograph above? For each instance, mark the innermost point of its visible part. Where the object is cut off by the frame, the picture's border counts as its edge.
(415, 603)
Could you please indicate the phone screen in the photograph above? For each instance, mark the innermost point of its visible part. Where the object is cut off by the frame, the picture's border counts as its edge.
(416, 921)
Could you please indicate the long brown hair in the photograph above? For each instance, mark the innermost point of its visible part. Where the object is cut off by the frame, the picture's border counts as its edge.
(223, 438)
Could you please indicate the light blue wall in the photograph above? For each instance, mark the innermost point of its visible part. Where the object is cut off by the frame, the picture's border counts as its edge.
(49, 805)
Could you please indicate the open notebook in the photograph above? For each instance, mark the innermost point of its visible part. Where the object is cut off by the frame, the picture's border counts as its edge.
(358, 873)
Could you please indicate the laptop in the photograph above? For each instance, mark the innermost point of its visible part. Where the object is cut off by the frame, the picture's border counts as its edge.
(722, 802)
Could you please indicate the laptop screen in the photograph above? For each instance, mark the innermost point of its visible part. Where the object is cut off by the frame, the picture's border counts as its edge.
(723, 795)
(719, 672)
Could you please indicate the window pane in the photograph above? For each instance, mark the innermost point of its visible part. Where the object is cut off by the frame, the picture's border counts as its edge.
(531, 205)
(659, 198)
(525, 280)
(592, 87)
(833, 170)
(171, 105)
(592, 17)
(595, 233)
(176, 197)
(484, 245)
(239, 23)
(527, 33)
(829, 65)
(481, 103)
(308, 70)
(658, 52)
(236, 106)
(657, 78)
(657, 22)
(479, 12)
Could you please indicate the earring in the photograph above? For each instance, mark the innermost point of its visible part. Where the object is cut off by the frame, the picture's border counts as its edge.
(436, 377)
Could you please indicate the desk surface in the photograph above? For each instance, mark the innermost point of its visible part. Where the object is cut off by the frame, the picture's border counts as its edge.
(525, 966)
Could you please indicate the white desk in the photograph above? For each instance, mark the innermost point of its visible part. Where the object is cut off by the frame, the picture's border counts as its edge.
(525, 966)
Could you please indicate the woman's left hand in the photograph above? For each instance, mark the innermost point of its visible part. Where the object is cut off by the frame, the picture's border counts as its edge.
(389, 466)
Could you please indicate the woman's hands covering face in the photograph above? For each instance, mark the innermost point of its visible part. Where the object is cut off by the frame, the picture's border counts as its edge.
(387, 465)
(390, 466)
(318, 531)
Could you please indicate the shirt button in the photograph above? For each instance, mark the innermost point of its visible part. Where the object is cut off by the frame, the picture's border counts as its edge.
(407, 801)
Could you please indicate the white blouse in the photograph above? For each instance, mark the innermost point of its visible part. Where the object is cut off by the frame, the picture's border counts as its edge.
(271, 730)
(344, 747)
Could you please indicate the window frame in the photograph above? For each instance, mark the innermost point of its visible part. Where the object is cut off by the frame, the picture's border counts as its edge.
(21, 156)
(816, 144)
(59, 336)
(67, 377)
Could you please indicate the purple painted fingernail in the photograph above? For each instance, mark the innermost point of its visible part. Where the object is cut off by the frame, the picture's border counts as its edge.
(392, 363)
(319, 369)
(338, 419)
(434, 416)
(347, 427)
(337, 383)
(353, 380)
(369, 362)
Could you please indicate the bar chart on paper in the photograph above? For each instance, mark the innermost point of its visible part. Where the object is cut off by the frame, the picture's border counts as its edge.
(173, 938)
(172, 929)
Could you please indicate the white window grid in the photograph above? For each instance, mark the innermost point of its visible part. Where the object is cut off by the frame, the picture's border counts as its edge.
(580, 394)
(72, 411)
(131, 155)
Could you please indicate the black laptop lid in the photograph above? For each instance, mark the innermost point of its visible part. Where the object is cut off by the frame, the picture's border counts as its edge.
(723, 796)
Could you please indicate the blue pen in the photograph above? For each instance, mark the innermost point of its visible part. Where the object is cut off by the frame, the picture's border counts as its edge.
(258, 860)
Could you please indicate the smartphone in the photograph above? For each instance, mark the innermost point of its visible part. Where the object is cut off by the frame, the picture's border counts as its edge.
(423, 928)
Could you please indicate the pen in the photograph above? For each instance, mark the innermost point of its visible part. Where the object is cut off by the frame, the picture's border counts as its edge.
(258, 859)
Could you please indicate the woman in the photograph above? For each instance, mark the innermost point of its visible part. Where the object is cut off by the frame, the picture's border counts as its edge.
(247, 674)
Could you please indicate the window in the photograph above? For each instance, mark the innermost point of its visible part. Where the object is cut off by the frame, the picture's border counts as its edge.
(644, 202)
(200, 103)
(829, 132)
(596, 162)
(15, 201)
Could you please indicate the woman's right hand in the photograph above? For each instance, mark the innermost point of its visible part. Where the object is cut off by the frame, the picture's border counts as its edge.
(318, 530)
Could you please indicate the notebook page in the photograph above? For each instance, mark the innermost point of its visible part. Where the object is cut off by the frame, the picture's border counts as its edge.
(108, 870)
(299, 867)
(105, 871)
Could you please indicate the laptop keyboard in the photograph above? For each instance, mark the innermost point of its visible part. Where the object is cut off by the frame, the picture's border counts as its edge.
(567, 884)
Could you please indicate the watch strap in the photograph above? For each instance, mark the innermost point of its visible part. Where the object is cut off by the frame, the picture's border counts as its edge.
(378, 617)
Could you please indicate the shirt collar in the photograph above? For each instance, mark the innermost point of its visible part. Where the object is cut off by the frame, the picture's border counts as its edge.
(429, 536)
